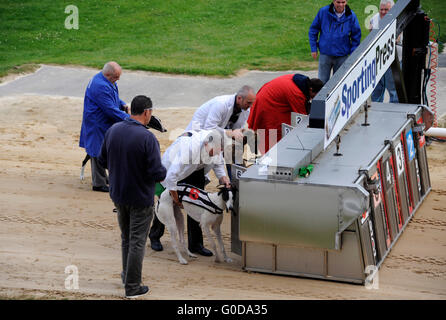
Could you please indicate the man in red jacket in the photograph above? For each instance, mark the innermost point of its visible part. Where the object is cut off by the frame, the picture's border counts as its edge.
(276, 100)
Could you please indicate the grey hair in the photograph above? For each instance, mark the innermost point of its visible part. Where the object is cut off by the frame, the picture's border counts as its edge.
(387, 1)
(109, 68)
(244, 91)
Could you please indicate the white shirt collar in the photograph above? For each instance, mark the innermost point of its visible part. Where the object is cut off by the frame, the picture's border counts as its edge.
(339, 15)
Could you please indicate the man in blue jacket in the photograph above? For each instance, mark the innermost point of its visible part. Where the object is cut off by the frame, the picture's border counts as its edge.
(339, 35)
(102, 108)
(132, 155)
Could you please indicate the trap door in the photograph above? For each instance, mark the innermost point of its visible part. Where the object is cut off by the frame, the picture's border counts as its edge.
(389, 193)
(367, 236)
(412, 168)
(421, 160)
(378, 215)
(236, 244)
(401, 180)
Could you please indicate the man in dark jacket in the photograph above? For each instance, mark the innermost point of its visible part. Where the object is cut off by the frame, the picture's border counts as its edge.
(276, 100)
(339, 35)
(132, 156)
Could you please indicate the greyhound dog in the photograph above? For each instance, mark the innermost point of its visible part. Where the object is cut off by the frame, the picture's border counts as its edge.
(205, 208)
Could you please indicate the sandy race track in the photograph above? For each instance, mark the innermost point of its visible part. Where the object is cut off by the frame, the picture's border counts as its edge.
(49, 220)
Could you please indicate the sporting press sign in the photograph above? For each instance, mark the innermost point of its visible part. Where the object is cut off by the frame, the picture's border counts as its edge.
(359, 83)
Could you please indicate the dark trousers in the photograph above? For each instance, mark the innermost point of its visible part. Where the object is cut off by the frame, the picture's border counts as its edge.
(194, 234)
(134, 224)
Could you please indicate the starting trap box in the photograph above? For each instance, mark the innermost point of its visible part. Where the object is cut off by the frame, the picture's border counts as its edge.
(340, 221)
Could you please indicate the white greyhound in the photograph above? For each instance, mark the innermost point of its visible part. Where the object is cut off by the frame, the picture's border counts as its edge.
(171, 216)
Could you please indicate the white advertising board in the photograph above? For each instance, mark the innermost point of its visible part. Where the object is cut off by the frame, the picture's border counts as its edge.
(359, 83)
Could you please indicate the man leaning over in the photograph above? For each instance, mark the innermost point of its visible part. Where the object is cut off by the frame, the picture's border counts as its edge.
(227, 114)
(188, 159)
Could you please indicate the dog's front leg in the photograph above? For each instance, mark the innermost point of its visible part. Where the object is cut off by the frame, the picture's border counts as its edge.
(173, 239)
(205, 227)
(217, 231)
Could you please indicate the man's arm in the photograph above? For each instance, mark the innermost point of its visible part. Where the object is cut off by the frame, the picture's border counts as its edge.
(220, 172)
(176, 200)
(313, 33)
(356, 34)
(104, 99)
(156, 170)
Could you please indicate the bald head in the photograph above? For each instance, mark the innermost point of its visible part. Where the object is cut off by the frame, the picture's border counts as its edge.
(112, 71)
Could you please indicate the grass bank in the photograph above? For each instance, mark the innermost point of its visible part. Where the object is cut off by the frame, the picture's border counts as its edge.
(210, 37)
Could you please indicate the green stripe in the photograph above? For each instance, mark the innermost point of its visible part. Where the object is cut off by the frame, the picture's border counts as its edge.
(159, 189)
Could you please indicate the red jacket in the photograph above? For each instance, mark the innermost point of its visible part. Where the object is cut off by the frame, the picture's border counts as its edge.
(273, 106)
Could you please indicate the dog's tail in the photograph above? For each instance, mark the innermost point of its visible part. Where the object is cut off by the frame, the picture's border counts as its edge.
(84, 163)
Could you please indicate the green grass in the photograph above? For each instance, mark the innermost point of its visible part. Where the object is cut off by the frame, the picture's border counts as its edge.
(436, 9)
(211, 37)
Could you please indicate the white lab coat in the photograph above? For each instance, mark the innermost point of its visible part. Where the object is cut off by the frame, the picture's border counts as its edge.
(187, 155)
(216, 113)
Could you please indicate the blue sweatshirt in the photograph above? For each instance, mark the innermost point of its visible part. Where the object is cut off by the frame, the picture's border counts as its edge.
(132, 156)
(337, 37)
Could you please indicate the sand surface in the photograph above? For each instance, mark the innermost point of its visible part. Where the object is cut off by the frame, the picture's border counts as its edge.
(49, 220)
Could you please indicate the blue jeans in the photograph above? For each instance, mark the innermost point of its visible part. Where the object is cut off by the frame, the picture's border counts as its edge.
(326, 63)
(388, 83)
(134, 224)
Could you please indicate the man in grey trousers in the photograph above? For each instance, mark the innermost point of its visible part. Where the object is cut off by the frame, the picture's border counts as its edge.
(132, 156)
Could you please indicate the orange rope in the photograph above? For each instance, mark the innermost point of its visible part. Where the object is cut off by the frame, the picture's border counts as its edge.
(434, 66)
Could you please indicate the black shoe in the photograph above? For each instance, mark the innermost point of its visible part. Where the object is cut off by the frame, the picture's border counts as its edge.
(202, 251)
(137, 293)
(101, 189)
(156, 245)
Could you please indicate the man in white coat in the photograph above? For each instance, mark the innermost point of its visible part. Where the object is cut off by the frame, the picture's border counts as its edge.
(228, 112)
(188, 160)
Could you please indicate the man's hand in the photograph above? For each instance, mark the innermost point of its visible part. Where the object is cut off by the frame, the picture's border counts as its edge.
(314, 55)
(225, 180)
(125, 108)
(174, 195)
(236, 134)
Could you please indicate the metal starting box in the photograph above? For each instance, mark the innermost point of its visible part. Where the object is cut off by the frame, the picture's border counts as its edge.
(340, 221)
(331, 198)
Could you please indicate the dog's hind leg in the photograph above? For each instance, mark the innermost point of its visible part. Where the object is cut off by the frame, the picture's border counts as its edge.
(217, 231)
(166, 214)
